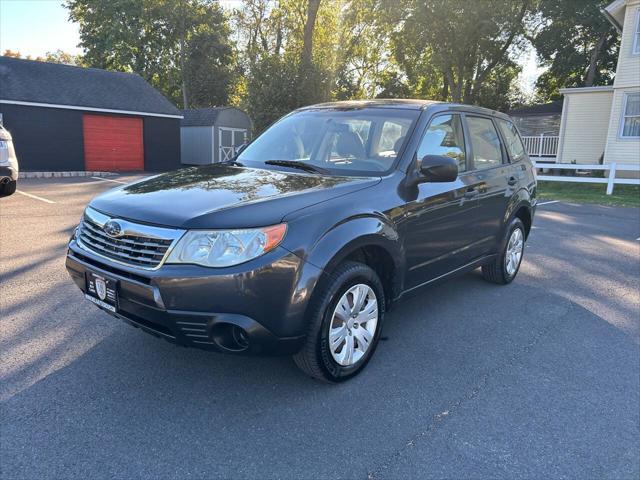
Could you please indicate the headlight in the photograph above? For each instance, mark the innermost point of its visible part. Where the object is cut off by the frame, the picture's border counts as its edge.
(224, 248)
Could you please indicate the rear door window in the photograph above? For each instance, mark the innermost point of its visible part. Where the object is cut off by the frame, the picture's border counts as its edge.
(514, 145)
(487, 149)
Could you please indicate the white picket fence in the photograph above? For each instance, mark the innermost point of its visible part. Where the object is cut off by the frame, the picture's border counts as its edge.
(610, 178)
(542, 147)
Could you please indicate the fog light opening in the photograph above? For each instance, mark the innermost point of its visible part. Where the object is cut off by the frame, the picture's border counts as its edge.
(240, 337)
(230, 337)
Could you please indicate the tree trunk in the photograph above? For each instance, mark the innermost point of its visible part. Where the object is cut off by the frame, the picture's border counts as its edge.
(308, 90)
(309, 26)
(457, 85)
(278, 46)
(468, 93)
(593, 61)
(444, 95)
(454, 86)
(185, 99)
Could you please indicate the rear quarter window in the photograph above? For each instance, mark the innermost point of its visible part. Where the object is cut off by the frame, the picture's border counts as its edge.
(512, 139)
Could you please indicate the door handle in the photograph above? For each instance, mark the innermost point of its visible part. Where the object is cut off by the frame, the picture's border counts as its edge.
(512, 181)
(471, 193)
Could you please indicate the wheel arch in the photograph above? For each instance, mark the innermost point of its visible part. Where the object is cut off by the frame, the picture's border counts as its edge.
(520, 207)
(524, 214)
(369, 240)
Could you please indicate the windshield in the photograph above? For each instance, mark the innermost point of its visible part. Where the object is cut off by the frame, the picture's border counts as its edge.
(362, 141)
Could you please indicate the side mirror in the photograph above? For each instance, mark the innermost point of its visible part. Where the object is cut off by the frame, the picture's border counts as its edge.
(239, 149)
(439, 168)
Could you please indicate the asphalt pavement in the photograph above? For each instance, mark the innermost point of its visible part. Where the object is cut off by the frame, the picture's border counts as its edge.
(538, 379)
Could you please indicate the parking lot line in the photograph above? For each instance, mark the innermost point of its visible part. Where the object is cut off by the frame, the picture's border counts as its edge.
(547, 203)
(109, 180)
(34, 197)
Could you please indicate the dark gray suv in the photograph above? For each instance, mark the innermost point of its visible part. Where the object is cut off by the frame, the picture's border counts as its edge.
(301, 244)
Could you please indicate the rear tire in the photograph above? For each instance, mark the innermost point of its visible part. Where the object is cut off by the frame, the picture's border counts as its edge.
(506, 265)
(8, 188)
(345, 321)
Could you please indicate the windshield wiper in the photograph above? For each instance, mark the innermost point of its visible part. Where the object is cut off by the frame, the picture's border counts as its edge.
(296, 164)
(233, 162)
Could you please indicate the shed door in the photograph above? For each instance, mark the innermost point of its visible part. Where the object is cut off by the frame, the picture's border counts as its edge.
(113, 143)
(228, 140)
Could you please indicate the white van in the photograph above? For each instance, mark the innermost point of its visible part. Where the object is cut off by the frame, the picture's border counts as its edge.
(8, 164)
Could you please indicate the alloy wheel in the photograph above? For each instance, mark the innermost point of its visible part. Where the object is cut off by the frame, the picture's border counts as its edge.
(513, 254)
(353, 325)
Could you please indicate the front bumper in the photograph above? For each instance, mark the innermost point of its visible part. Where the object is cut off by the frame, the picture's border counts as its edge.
(196, 306)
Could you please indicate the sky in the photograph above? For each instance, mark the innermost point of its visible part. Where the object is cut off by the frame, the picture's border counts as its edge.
(35, 27)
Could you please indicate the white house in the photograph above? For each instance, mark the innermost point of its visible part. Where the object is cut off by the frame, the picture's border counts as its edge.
(605, 121)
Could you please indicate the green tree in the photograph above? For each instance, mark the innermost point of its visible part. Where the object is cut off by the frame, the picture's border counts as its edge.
(287, 55)
(11, 53)
(59, 56)
(272, 90)
(365, 60)
(577, 44)
(467, 49)
(181, 47)
(297, 52)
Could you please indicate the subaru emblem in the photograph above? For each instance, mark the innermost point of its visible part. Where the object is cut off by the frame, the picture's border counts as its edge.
(112, 228)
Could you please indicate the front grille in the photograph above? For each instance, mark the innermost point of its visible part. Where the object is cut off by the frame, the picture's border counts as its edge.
(139, 246)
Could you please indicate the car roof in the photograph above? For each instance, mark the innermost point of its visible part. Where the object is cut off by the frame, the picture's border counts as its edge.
(404, 103)
(377, 103)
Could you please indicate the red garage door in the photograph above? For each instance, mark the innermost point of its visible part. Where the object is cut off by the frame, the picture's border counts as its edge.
(113, 143)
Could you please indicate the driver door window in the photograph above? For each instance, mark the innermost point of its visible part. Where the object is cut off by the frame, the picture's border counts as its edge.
(444, 137)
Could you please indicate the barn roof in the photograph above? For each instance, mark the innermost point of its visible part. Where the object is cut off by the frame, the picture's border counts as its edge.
(197, 117)
(65, 86)
(540, 109)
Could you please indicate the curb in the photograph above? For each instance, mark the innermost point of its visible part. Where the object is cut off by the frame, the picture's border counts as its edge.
(63, 174)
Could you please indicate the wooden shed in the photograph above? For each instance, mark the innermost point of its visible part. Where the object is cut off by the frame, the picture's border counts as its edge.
(211, 135)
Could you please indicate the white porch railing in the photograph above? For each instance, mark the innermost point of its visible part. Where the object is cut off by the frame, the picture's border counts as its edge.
(610, 178)
(542, 147)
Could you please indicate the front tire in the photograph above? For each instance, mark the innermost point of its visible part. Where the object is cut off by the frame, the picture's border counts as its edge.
(345, 321)
(507, 264)
(8, 188)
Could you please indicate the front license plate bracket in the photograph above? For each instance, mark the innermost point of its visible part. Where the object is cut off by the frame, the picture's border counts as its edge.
(102, 291)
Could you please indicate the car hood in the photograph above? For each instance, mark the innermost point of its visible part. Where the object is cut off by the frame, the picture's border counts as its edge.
(223, 196)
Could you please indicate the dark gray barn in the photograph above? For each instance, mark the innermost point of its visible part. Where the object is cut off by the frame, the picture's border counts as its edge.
(65, 118)
(210, 135)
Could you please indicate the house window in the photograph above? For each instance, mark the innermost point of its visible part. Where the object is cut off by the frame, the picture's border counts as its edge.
(631, 116)
(636, 37)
